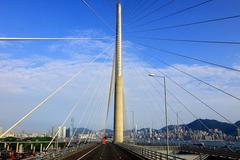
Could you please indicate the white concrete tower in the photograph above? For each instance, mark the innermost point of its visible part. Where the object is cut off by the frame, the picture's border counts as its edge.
(118, 96)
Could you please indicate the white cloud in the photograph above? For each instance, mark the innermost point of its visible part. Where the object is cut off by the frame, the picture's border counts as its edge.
(89, 47)
(26, 81)
(229, 81)
(26, 86)
(3, 44)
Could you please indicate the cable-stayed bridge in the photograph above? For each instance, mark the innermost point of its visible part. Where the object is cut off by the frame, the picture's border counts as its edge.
(174, 140)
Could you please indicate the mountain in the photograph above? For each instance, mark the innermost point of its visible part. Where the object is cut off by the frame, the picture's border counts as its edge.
(198, 124)
(226, 128)
(238, 123)
(213, 124)
(80, 130)
(109, 132)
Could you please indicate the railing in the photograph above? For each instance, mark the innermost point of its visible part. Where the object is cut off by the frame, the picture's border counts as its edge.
(61, 153)
(173, 148)
(218, 152)
(147, 153)
(201, 157)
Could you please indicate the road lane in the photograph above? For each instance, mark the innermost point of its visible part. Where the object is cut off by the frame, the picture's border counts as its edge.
(109, 152)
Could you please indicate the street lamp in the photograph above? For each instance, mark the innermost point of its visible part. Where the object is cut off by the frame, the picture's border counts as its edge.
(133, 125)
(178, 132)
(165, 104)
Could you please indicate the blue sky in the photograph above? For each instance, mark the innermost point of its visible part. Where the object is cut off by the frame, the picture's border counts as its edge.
(45, 65)
(61, 18)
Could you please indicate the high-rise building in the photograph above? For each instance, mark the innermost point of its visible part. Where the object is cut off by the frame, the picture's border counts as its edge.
(54, 131)
(59, 132)
(1, 130)
(62, 132)
(238, 132)
(72, 126)
(68, 132)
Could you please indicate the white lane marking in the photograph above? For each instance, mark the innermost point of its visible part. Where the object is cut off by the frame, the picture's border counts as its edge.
(89, 152)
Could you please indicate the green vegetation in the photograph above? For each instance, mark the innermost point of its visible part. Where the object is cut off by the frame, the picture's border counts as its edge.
(31, 139)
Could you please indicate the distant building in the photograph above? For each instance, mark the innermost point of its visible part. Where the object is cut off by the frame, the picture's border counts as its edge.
(54, 131)
(76, 131)
(150, 133)
(64, 132)
(238, 132)
(68, 133)
(1, 130)
(60, 131)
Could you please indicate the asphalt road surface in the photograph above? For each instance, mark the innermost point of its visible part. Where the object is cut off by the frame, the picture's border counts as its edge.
(109, 152)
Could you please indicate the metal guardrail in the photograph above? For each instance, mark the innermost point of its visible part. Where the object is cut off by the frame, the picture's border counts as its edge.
(213, 152)
(201, 157)
(150, 154)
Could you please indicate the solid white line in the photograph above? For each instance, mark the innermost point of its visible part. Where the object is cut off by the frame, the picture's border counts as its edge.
(89, 152)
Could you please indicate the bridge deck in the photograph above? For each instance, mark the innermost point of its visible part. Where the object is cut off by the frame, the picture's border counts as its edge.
(109, 152)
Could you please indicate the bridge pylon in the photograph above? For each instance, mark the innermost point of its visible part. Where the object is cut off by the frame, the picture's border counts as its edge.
(118, 90)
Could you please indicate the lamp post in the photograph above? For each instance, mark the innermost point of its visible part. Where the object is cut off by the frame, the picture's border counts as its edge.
(165, 106)
(133, 125)
(178, 131)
